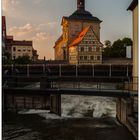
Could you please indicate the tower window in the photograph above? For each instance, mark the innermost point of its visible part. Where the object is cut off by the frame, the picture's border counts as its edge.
(81, 57)
(97, 49)
(14, 48)
(92, 57)
(90, 49)
(82, 49)
(85, 57)
(98, 57)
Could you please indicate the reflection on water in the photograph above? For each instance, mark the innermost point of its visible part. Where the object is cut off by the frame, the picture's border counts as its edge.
(74, 124)
(34, 127)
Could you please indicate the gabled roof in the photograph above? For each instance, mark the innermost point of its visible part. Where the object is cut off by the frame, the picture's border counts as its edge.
(83, 15)
(133, 5)
(80, 37)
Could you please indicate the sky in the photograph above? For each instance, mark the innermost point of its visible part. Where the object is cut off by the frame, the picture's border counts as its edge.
(40, 20)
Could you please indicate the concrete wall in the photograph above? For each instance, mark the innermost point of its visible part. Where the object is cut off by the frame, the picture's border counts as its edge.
(123, 109)
(135, 47)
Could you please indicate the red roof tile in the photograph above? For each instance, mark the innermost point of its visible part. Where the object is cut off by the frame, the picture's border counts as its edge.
(80, 37)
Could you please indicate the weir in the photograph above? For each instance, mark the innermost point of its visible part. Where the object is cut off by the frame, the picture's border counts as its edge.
(19, 92)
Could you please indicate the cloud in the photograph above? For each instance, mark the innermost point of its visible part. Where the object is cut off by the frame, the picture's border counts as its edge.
(20, 31)
(37, 1)
(9, 4)
(42, 35)
(52, 24)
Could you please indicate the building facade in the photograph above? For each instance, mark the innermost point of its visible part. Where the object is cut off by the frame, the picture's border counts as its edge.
(134, 8)
(12, 49)
(72, 26)
(21, 48)
(3, 35)
(8, 47)
(35, 55)
(86, 48)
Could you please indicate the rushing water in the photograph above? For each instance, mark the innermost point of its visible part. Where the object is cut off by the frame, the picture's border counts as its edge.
(74, 124)
(88, 106)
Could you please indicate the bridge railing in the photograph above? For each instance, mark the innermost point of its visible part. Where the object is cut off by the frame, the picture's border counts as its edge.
(124, 86)
(68, 70)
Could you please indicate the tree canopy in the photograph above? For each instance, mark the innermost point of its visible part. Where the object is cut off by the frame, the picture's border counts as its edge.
(23, 60)
(117, 49)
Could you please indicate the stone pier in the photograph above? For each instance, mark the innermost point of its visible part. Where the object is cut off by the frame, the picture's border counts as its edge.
(125, 114)
(55, 99)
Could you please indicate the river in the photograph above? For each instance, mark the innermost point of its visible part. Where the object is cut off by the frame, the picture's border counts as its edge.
(83, 118)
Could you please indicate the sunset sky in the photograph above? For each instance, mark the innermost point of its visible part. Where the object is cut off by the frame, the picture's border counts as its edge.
(40, 20)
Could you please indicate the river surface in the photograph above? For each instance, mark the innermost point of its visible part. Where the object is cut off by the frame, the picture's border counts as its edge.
(83, 118)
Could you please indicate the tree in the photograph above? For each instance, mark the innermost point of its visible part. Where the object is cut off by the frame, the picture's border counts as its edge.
(118, 48)
(107, 52)
(127, 41)
(6, 59)
(23, 60)
(108, 43)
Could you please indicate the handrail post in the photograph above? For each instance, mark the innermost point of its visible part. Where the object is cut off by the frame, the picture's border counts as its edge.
(92, 70)
(60, 70)
(12, 68)
(28, 72)
(110, 71)
(76, 70)
(43, 68)
(127, 70)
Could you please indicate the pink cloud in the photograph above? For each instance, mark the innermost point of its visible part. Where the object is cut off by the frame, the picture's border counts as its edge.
(9, 4)
(43, 41)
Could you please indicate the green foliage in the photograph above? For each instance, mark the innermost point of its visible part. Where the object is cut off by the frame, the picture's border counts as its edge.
(127, 41)
(23, 60)
(7, 55)
(108, 43)
(6, 61)
(118, 48)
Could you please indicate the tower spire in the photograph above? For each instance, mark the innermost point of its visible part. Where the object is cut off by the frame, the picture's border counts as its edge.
(80, 4)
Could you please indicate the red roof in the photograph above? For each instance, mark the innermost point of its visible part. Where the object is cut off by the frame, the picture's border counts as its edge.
(9, 37)
(23, 43)
(80, 37)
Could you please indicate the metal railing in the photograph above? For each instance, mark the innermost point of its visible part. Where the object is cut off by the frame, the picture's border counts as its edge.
(87, 85)
(65, 70)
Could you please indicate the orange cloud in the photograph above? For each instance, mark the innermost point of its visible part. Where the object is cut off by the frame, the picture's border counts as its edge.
(42, 39)
(20, 31)
(9, 4)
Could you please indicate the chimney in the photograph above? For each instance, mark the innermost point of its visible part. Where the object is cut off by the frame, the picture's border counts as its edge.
(80, 4)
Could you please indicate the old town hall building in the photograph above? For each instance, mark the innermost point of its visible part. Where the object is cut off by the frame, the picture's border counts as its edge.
(80, 39)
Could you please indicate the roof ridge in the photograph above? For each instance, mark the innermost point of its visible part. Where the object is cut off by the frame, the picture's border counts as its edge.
(80, 37)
